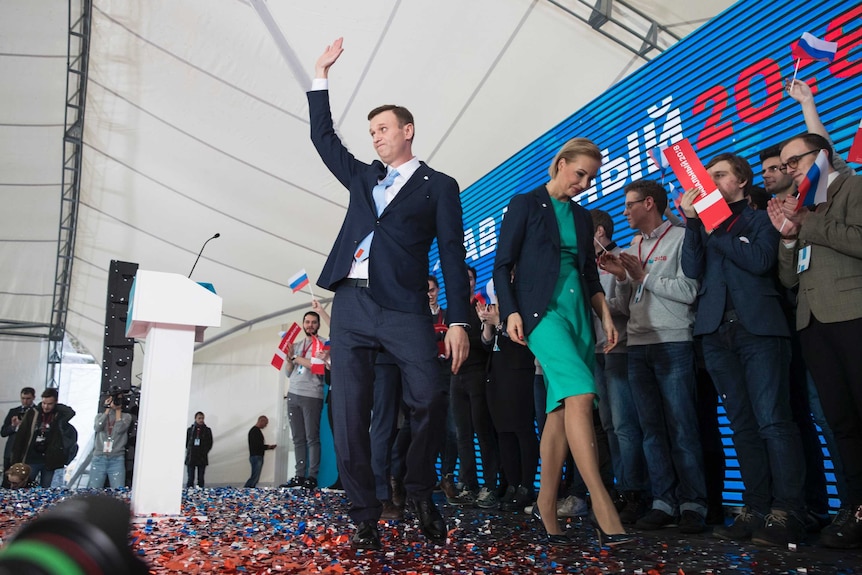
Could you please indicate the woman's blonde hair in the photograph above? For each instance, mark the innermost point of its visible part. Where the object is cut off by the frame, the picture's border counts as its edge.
(573, 148)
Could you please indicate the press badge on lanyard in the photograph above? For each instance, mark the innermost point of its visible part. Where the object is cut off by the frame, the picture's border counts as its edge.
(197, 441)
(108, 445)
(803, 260)
(639, 293)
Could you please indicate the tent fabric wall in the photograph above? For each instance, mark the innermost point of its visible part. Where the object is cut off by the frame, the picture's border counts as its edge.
(195, 125)
(233, 383)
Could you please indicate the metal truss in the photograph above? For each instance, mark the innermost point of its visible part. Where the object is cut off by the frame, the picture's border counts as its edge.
(77, 61)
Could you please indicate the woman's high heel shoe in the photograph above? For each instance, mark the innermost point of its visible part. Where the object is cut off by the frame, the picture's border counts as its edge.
(554, 539)
(606, 540)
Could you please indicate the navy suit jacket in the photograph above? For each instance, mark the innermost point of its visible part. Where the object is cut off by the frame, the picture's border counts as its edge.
(428, 206)
(740, 261)
(529, 244)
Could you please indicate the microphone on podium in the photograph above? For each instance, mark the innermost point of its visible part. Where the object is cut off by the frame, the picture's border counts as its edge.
(202, 251)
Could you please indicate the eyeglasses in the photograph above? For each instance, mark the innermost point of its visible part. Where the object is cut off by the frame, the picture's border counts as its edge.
(633, 202)
(793, 161)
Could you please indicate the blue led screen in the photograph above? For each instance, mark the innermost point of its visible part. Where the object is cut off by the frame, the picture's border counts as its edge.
(722, 88)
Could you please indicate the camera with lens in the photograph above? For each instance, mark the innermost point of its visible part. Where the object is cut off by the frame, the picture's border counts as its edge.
(119, 396)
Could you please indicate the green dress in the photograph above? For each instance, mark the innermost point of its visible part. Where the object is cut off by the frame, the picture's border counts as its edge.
(563, 341)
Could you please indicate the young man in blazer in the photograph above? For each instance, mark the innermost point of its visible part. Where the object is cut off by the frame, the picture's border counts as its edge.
(378, 269)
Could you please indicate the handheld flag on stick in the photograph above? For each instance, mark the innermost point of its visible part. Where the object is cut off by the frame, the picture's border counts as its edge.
(812, 190)
(298, 281)
(485, 296)
(810, 47)
(283, 349)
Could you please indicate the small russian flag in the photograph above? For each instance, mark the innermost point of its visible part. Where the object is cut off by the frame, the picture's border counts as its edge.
(485, 295)
(655, 154)
(812, 190)
(298, 281)
(810, 47)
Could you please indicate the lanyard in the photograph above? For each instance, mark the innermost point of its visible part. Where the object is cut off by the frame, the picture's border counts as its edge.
(655, 245)
(305, 348)
(730, 225)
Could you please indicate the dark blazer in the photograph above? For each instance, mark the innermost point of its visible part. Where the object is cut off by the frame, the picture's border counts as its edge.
(428, 206)
(9, 430)
(740, 261)
(529, 244)
(831, 288)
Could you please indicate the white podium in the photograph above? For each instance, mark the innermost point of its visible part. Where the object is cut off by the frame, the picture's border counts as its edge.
(171, 313)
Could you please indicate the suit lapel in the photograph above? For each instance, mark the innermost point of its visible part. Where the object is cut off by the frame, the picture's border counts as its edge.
(543, 201)
(420, 178)
(833, 191)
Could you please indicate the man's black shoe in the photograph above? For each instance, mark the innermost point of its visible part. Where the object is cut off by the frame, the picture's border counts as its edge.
(294, 482)
(366, 536)
(430, 521)
(310, 483)
(518, 499)
(391, 511)
(399, 494)
(845, 532)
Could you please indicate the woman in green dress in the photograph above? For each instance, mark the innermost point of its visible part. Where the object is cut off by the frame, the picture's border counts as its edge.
(546, 280)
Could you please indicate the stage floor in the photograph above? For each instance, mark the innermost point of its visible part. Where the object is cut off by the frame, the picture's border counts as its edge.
(227, 530)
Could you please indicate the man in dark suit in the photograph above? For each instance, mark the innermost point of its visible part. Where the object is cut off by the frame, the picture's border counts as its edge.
(746, 348)
(821, 252)
(381, 299)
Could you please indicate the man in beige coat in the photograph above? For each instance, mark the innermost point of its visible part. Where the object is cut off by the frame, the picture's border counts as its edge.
(821, 252)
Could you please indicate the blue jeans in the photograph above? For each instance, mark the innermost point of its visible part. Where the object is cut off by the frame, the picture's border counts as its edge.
(114, 468)
(620, 419)
(751, 374)
(256, 465)
(45, 475)
(663, 386)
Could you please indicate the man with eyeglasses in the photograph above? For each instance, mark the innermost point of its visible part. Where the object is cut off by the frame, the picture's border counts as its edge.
(821, 252)
(775, 181)
(661, 359)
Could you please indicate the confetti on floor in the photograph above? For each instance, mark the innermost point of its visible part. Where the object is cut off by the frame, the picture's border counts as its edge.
(263, 531)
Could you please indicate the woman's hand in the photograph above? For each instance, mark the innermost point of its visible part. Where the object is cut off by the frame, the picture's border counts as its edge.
(610, 331)
(515, 327)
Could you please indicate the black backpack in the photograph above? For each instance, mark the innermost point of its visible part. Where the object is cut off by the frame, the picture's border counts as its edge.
(70, 442)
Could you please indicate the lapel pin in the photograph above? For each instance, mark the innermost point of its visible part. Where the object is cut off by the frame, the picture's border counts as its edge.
(426, 177)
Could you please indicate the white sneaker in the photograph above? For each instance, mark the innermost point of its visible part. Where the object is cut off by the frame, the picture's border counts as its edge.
(572, 506)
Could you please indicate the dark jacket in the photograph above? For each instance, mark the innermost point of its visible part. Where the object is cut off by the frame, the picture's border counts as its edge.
(427, 207)
(55, 450)
(9, 431)
(529, 244)
(738, 260)
(197, 454)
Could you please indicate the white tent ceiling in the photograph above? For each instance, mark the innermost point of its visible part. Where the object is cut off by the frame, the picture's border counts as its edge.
(196, 124)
